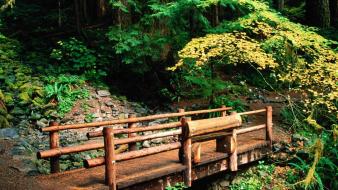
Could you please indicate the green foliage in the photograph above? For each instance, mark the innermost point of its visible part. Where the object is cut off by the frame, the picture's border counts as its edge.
(136, 47)
(64, 90)
(318, 170)
(177, 186)
(228, 101)
(73, 56)
(255, 179)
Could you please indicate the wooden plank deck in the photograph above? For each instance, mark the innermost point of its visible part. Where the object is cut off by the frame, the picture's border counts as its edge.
(139, 173)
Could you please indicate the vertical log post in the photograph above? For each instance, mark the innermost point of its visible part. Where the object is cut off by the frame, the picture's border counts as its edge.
(186, 144)
(109, 152)
(221, 141)
(269, 125)
(232, 150)
(180, 151)
(223, 113)
(132, 146)
(54, 142)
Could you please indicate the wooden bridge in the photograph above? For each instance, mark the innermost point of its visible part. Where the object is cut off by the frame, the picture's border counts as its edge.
(204, 147)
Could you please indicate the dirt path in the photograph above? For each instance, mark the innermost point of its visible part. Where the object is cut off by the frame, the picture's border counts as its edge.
(11, 178)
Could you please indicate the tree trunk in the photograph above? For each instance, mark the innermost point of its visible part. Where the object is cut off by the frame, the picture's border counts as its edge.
(334, 12)
(318, 13)
(77, 16)
(280, 5)
(102, 6)
(124, 18)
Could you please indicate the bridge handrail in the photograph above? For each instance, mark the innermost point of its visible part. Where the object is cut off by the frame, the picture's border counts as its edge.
(189, 130)
(130, 120)
(56, 151)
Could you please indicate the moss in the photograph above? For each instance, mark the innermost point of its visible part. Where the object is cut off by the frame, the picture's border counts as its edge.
(25, 98)
(3, 122)
(9, 100)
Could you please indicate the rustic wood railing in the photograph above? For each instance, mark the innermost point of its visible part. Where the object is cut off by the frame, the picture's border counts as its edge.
(56, 151)
(198, 129)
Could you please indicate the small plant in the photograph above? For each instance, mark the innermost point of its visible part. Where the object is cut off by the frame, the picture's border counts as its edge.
(89, 118)
(177, 186)
(255, 179)
(73, 56)
(64, 90)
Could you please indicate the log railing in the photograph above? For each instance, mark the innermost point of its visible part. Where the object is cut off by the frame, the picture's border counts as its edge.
(56, 151)
(227, 143)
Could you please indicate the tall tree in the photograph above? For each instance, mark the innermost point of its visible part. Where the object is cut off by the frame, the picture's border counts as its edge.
(334, 12)
(318, 13)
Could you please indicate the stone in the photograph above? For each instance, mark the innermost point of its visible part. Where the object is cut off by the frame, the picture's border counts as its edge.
(25, 165)
(224, 183)
(103, 93)
(41, 124)
(17, 111)
(10, 133)
(146, 144)
(158, 140)
(109, 103)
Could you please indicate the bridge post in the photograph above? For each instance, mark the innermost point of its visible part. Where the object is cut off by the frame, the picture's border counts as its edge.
(132, 146)
(232, 150)
(186, 144)
(54, 142)
(269, 125)
(221, 141)
(180, 151)
(110, 162)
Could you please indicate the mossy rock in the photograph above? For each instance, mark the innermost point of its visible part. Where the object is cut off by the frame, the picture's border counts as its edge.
(25, 98)
(18, 111)
(9, 100)
(38, 102)
(4, 122)
(2, 96)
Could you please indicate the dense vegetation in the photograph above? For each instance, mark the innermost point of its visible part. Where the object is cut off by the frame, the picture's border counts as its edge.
(215, 50)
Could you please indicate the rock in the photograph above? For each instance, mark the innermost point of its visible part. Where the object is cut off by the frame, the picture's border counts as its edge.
(24, 165)
(10, 133)
(35, 116)
(277, 147)
(224, 183)
(17, 111)
(110, 104)
(158, 140)
(158, 121)
(146, 144)
(41, 124)
(103, 93)
(297, 137)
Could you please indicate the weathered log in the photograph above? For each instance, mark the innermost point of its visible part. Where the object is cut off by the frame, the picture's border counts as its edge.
(130, 120)
(252, 112)
(110, 160)
(196, 153)
(138, 129)
(132, 146)
(186, 144)
(250, 129)
(205, 126)
(93, 146)
(232, 150)
(269, 125)
(54, 143)
(133, 154)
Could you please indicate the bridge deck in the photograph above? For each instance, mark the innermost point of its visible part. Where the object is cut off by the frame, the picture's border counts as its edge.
(159, 166)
